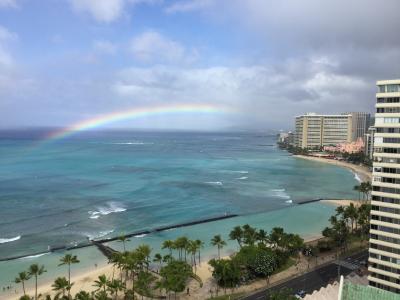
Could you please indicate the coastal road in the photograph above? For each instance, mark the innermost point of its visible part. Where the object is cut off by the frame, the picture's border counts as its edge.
(317, 278)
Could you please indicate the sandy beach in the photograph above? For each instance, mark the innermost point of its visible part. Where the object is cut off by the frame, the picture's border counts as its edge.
(344, 202)
(363, 172)
(85, 280)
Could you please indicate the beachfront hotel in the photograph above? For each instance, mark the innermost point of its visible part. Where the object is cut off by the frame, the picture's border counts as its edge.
(384, 251)
(314, 130)
(361, 121)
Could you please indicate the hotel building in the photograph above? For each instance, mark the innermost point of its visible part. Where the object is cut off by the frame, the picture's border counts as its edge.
(361, 122)
(314, 131)
(384, 251)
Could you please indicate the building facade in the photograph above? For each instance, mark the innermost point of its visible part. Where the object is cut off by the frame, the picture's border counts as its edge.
(369, 142)
(360, 123)
(384, 250)
(314, 131)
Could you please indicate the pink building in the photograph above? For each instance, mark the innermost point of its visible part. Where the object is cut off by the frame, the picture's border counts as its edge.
(353, 147)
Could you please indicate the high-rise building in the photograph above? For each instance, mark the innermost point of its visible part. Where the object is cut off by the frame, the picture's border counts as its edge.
(369, 142)
(384, 249)
(361, 122)
(313, 130)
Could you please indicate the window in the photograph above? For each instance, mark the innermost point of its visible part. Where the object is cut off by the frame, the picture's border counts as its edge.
(381, 89)
(392, 88)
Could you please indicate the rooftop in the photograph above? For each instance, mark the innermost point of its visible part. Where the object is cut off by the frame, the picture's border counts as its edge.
(352, 291)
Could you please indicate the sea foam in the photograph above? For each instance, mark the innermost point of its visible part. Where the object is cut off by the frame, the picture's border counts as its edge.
(112, 207)
(214, 182)
(35, 256)
(280, 193)
(140, 235)
(357, 177)
(3, 241)
(99, 234)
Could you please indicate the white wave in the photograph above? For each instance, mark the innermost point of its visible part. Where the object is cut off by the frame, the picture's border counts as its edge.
(140, 235)
(3, 241)
(35, 256)
(131, 143)
(290, 201)
(242, 178)
(214, 182)
(99, 235)
(357, 177)
(106, 210)
(280, 193)
(233, 171)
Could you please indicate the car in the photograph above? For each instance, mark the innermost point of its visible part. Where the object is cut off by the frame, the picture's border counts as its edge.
(300, 294)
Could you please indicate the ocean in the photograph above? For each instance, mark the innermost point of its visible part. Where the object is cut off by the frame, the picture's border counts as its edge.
(104, 184)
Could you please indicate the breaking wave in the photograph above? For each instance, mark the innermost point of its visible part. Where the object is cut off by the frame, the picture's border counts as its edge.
(3, 241)
(280, 193)
(357, 177)
(140, 235)
(99, 235)
(242, 178)
(35, 256)
(214, 182)
(106, 210)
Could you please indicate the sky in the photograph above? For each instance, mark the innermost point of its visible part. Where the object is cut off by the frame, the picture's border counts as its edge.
(261, 62)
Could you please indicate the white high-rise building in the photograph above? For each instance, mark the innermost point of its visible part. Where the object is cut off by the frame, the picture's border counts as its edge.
(384, 251)
(314, 130)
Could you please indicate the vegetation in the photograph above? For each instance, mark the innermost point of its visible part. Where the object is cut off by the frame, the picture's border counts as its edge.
(365, 189)
(260, 255)
(347, 223)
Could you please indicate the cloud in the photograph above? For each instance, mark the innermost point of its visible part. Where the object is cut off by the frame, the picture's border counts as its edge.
(8, 3)
(107, 11)
(6, 37)
(269, 95)
(106, 47)
(101, 10)
(188, 6)
(153, 47)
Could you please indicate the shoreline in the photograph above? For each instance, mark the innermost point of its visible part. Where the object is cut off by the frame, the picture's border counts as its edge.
(84, 279)
(344, 202)
(361, 171)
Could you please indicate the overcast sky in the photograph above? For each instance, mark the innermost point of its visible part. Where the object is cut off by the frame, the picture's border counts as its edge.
(64, 61)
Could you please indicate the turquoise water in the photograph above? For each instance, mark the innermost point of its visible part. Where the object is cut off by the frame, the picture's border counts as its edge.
(105, 184)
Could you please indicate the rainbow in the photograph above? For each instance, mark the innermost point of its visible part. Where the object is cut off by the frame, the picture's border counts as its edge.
(133, 114)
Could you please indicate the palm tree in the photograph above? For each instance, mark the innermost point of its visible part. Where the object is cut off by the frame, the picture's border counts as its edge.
(200, 245)
(158, 258)
(69, 259)
(101, 283)
(36, 270)
(219, 242)
(123, 239)
(145, 251)
(168, 244)
(357, 188)
(237, 234)
(181, 244)
(262, 236)
(192, 249)
(351, 213)
(82, 295)
(114, 286)
(22, 277)
(61, 285)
